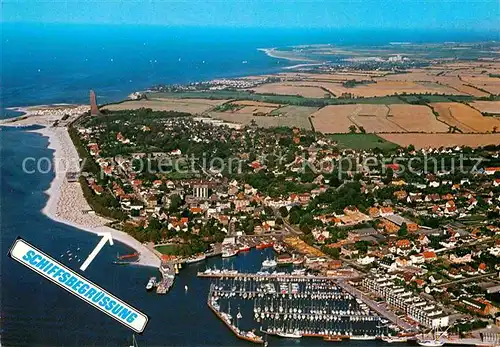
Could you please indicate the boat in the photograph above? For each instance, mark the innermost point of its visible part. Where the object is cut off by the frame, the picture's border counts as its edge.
(434, 341)
(196, 258)
(394, 339)
(363, 337)
(332, 338)
(244, 248)
(151, 283)
(269, 263)
(285, 259)
(430, 343)
(134, 342)
(229, 252)
(264, 245)
(290, 335)
(278, 248)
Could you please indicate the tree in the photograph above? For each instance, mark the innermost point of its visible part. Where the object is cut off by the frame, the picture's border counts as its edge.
(362, 246)
(352, 129)
(283, 211)
(175, 203)
(362, 130)
(403, 230)
(294, 217)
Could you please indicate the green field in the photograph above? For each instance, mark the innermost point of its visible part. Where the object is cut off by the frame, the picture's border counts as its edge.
(362, 141)
(168, 249)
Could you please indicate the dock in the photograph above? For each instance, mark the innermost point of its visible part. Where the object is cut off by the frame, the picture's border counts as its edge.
(168, 277)
(227, 275)
(239, 334)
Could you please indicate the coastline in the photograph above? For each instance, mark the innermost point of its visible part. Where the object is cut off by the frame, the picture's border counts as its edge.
(273, 53)
(61, 193)
(66, 203)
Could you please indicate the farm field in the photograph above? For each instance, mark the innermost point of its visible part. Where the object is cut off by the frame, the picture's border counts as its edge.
(491, 107)
(377, 118)
(292, 88)
(416, 118)
(333, 119)
(466, 118)
(194, 106)
(490, 84)
(254, 103)
(316, 88)
(291, 116)
(442, 140)
(362, 141)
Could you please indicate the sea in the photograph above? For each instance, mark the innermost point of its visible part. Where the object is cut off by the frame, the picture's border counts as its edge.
(47, 64)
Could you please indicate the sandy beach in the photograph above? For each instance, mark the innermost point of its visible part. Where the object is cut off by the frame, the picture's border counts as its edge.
(66, 203)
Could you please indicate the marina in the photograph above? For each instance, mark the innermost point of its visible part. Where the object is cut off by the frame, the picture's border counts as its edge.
(294, 307)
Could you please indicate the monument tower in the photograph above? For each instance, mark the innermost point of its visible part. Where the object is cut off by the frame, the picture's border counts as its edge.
(94, 110)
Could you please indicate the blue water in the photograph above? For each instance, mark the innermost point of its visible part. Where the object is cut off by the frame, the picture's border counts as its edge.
(44, 64)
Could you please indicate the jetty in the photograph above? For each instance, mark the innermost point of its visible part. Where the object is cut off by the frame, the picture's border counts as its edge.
(226, 319)
(167, 271)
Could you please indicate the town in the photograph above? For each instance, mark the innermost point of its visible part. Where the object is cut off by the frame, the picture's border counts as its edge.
(416, 230)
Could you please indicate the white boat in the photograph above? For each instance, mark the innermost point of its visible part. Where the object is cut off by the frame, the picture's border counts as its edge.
(293, 335)
(151, 283)
(430, 343)
(269, 263)
(195, 259)
(363, 337)
(394, 339)
(228, 252)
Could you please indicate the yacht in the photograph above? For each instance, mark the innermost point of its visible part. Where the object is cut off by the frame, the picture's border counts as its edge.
(269, 263)
(291, 335)
(229, 252)
(363, 337)
(394, 339)
(151, 283)
(196, 258)
(430, 343)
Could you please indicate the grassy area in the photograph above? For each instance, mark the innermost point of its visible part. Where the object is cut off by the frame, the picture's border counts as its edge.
(167, 249)
(362, 141)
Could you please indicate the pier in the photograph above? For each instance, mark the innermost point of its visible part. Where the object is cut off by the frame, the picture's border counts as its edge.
(228, 275)
(168, 277)
(226, 319)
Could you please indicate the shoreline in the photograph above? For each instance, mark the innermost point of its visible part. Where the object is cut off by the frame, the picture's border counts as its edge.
(273, 53)
(66, 203)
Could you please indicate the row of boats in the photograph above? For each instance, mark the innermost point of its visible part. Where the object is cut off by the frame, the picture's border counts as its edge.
(293, 308)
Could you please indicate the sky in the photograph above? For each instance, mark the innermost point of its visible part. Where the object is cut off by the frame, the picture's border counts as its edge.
(477, 15)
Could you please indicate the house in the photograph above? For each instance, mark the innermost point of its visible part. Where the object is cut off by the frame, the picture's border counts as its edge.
(366, 260)
(386, 211)
(491, 170)
(429, 256)
(417, 258)
(403, 244)
(461, 260)
(423, 240)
